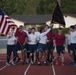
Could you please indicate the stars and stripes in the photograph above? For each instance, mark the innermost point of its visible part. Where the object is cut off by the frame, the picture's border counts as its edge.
(6, 23)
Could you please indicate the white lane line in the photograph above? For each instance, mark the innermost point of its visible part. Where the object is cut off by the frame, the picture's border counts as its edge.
(2, 60)
(54, 73)
(71, 59)
(3, 67)
(53, 69)
(27, 69)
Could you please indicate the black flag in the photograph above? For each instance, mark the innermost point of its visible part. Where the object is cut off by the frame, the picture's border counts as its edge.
(57, 16)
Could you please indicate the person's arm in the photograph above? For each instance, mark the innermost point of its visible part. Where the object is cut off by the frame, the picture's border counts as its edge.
(26, 39)
(10, 34)
(44, 33)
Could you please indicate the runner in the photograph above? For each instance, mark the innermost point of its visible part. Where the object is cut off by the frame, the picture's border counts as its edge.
(50, 44)
(32, 45)
(60, 41)
(11, 47)
(42, 47)
(22, 40)
(73, 44)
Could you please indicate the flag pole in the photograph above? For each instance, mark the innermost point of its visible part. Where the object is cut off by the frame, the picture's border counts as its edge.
(51, 24)
(59, 2)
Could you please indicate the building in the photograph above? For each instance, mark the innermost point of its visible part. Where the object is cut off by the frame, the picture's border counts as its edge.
(37, 20)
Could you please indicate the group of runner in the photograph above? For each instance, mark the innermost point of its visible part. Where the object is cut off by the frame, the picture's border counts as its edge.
(35, 45)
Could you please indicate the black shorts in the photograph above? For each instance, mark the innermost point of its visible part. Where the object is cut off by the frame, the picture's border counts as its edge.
(73, 47)
(60, 49)
(50, 46)
(20, 46)
(32, 48)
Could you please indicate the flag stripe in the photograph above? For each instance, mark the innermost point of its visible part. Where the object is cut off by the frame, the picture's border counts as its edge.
(5, 23)
(2, 18)
(4, 26)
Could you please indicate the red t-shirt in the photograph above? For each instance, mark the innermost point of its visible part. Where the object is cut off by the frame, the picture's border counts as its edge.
(21, 36)
(60, 39)
(51, 36)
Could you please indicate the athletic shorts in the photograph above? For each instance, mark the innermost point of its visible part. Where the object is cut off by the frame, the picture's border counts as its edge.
(42, 47)
(50, 46)
(60, 49)
(73, 47)
(21, 47)
(32, 48)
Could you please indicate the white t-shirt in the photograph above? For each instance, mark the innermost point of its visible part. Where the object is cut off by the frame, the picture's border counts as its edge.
(11, 40)
(43, 37)
(38, 35)
(68, 39)
(32, 39)
(73, 37)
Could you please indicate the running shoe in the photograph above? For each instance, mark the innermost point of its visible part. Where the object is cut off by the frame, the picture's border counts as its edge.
(39, 63)
(8, 64)
(74, 64)
(57, 62)
(13, 63)
(62, 64)
(45, 63)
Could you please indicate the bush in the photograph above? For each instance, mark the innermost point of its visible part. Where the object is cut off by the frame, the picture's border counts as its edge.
(65, 30)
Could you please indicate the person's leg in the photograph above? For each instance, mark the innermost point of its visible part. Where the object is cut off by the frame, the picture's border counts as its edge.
(62, 57)
(9, 51)
(40, 53)
(35, 52)
(31, 56)
(69, 49)
(34, 56)
(52, 55)
(45, 55)
(74, 54)
(48, 56)
(40, 57)
(28, 53)
(75, 57)
(14, 53)
(45, 49)
(51, 52)
(18, 47)
(58, 54)
(23, 56)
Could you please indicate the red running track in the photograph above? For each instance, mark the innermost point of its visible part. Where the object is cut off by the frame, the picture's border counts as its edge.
(20, 69)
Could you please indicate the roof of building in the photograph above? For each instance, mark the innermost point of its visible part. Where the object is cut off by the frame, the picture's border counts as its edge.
(36, 19)
(32, 19)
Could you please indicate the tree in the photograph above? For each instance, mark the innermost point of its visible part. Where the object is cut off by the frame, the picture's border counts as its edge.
(45, 7)
(31, 7)
(13, 6)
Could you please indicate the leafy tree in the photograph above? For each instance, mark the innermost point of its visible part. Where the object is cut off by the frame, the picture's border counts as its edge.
(31, 7)
(13, 6)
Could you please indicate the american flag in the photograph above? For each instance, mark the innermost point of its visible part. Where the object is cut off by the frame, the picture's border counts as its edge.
(6, 23)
